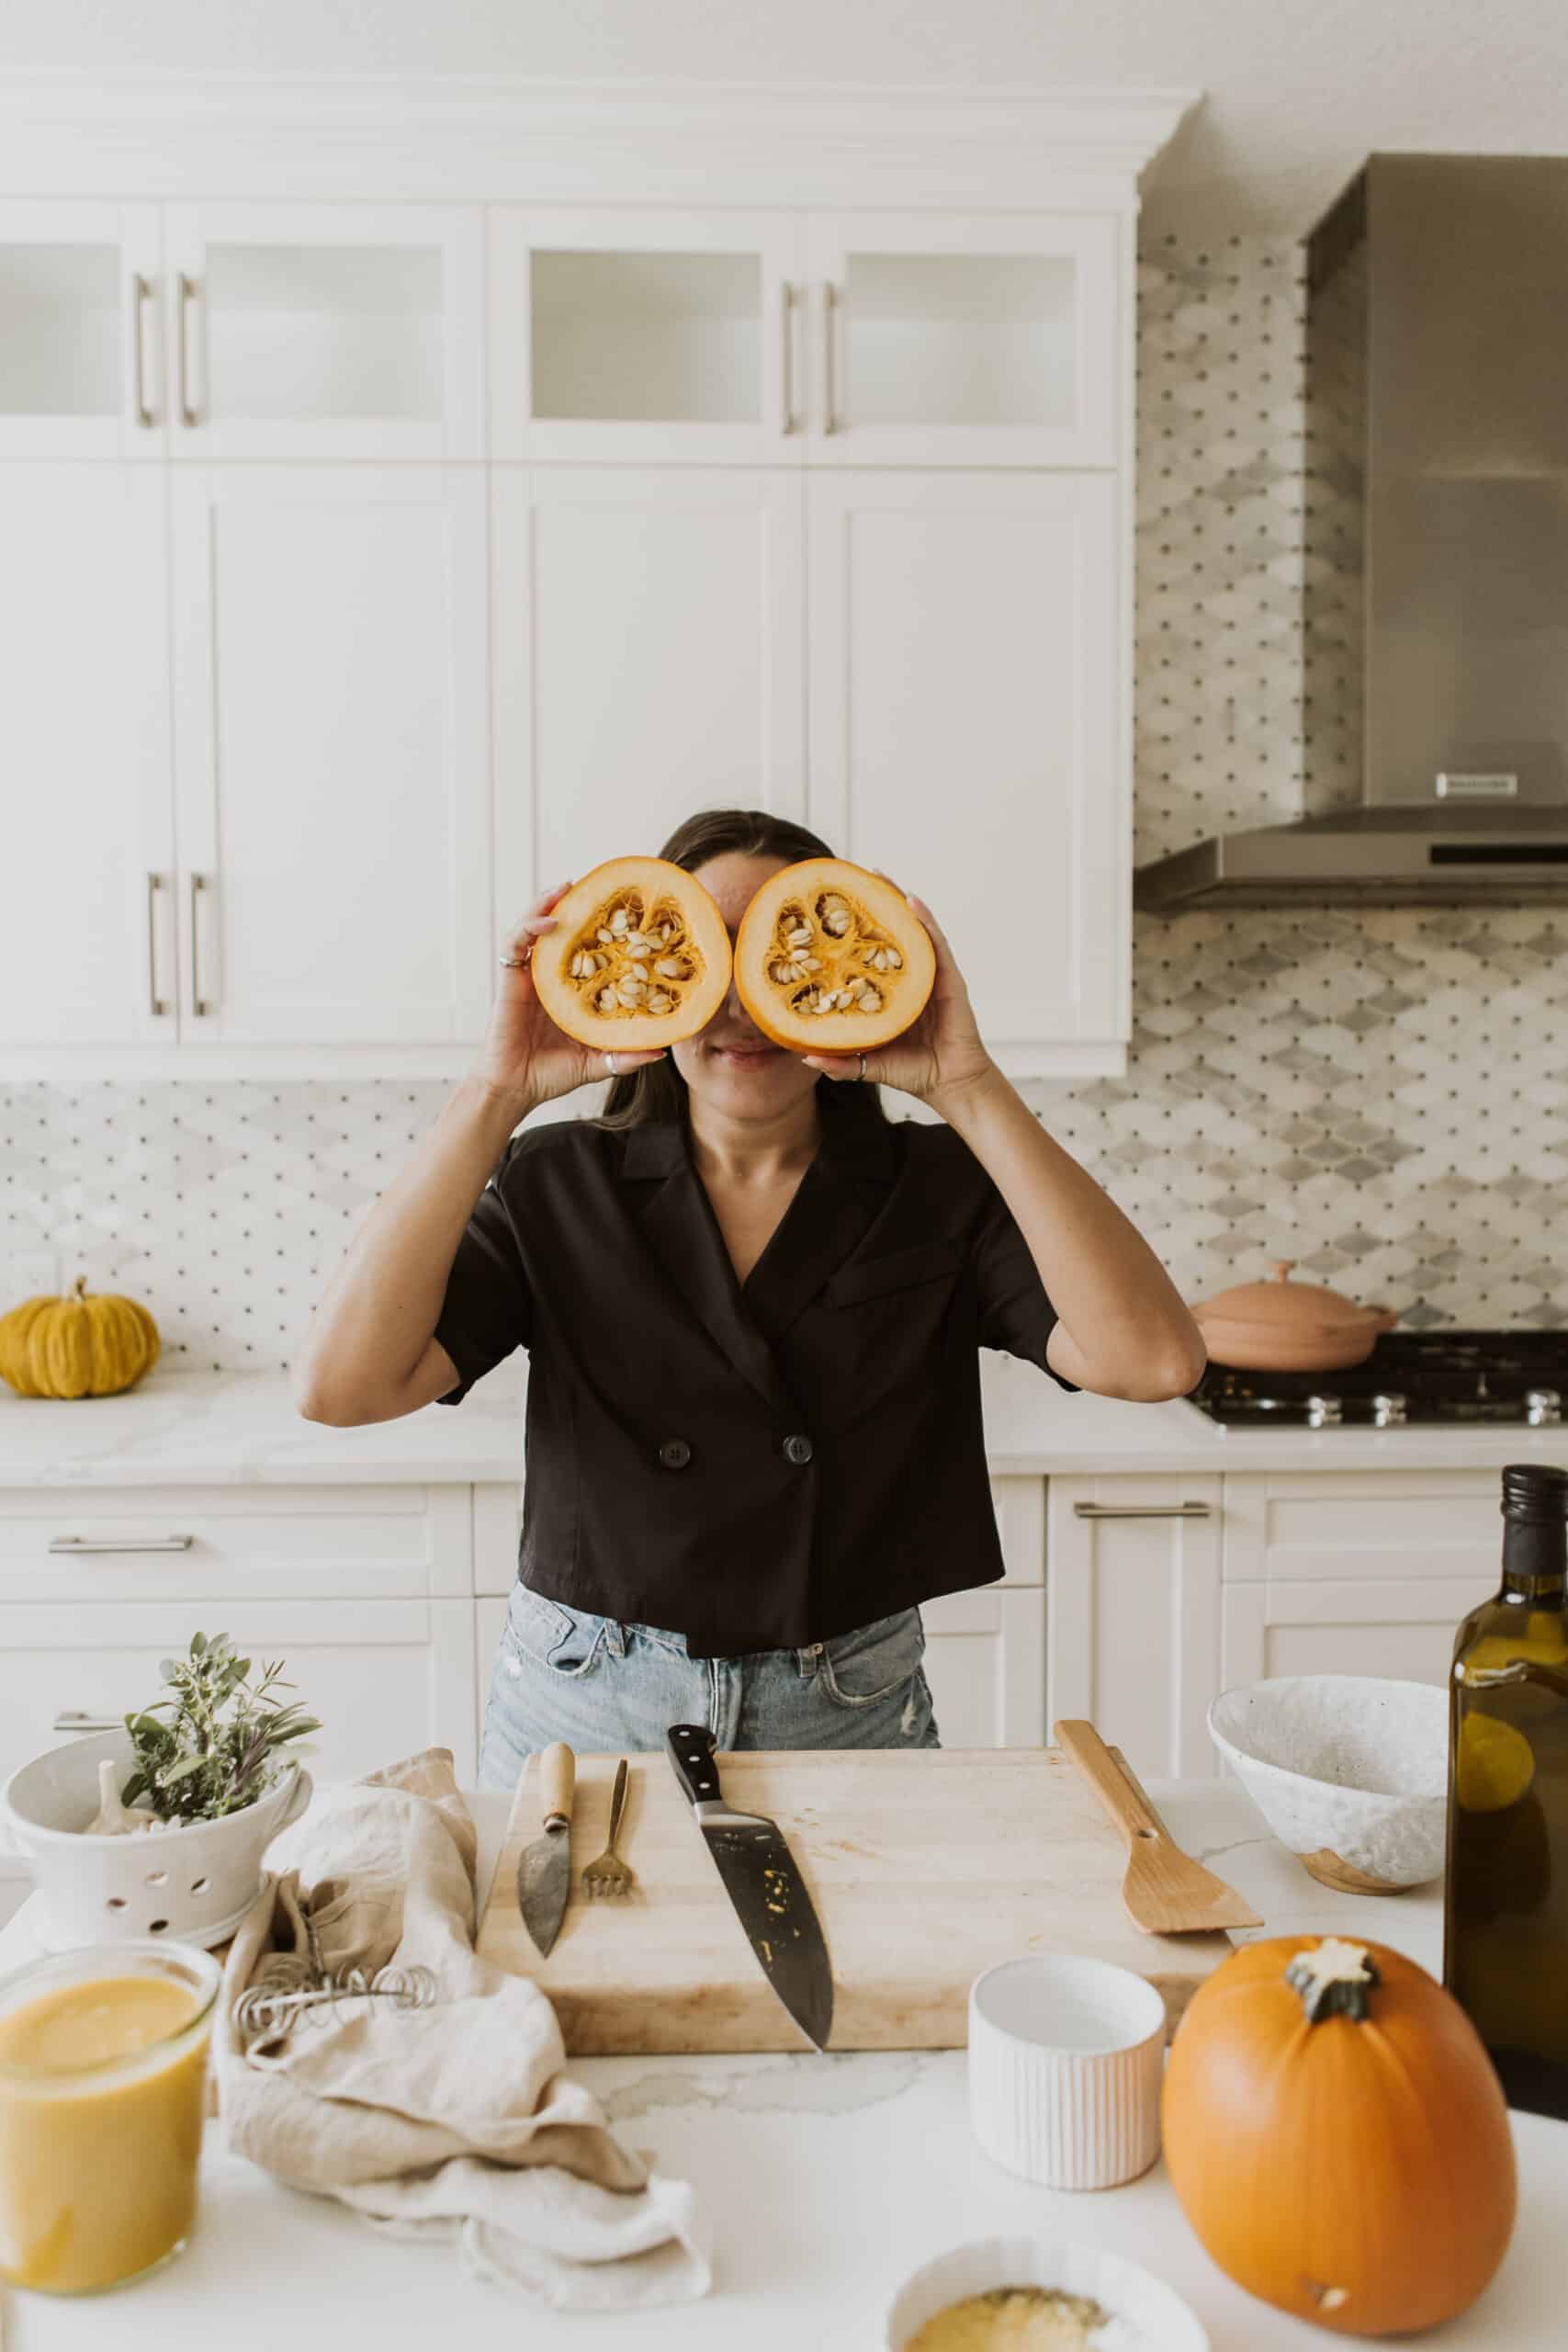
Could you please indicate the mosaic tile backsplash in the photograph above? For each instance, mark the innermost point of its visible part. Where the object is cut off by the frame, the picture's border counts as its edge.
(1382, 1095)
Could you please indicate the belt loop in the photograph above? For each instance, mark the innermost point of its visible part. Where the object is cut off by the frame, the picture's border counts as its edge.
(808, 1659)
(616, 1637)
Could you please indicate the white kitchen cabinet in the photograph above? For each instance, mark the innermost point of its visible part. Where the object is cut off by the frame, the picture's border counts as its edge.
(648, 658)
(305, 331)
(966, 339)
(331, 748)
(81, 331)
(966, 690)
(88, 873)
(385, 1677)
(652, 336)
(1133, 1638)
(1366, 1572)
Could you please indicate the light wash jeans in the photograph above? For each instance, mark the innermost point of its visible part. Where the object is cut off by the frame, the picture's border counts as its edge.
(608, 1688)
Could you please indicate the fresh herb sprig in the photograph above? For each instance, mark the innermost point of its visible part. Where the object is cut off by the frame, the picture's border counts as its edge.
(218, 1750)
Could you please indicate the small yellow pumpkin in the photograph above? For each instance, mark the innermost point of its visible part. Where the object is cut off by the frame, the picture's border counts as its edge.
(88, 1345)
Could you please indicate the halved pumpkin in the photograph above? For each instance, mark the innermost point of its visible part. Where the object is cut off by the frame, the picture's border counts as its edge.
(829, 959)
(640, 958)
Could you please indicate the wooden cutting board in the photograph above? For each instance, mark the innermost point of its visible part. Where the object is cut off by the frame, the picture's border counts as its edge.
(924, 1868)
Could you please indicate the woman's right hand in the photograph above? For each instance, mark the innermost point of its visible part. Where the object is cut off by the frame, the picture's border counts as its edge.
(524, 1054)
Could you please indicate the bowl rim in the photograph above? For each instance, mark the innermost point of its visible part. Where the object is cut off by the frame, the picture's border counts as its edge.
(1285, 1772)
(1052, 2246)
(92, 1840)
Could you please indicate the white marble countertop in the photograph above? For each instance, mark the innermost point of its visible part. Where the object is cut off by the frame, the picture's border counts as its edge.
(200, 1429)
(825, 2179)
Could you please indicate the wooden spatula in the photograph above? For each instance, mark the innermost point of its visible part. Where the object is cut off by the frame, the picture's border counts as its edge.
(1165, 1891)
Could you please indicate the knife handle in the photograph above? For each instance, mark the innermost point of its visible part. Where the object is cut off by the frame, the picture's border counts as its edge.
(692, 1749)
(557, 1784)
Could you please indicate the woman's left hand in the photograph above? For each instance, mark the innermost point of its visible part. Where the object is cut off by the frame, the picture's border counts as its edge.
(942, 1053)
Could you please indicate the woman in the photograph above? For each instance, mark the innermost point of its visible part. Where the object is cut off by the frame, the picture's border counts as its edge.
(753, 1307)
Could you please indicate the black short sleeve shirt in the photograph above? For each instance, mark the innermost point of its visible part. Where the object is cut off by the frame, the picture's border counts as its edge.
(755, 1465)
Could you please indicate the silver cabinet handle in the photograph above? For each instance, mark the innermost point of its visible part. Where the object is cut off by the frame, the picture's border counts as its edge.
(75, 1719)
(198, 1004)
(829, 301)
(141, 293)
(189, 290)
(155, 1003)
(786, 358)
(1142, 1510)
(77, 1546)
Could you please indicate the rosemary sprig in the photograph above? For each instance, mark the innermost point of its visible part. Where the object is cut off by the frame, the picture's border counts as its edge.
(218, 1750)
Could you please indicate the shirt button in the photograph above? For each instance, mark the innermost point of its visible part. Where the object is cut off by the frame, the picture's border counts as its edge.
(674, 1453)
(797, 1449)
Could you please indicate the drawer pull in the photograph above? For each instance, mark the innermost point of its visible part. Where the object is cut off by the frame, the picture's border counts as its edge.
(78, 1544)
(1141, 1511)
(75, 1719)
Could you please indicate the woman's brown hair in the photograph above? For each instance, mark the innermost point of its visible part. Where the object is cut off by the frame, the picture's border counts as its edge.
(657, 1090)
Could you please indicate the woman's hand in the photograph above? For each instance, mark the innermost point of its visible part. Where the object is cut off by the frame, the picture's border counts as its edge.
(942, 1054)
(524, 1055)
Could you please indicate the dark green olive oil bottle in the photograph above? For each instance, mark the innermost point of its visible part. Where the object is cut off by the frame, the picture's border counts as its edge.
(1506, 1920)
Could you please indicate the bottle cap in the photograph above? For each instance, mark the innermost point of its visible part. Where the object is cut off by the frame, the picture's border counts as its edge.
(1535, 1490)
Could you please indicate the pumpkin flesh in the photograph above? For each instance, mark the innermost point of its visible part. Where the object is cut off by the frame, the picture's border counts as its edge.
(830, 959)
(640, 958)
(1355, 2172)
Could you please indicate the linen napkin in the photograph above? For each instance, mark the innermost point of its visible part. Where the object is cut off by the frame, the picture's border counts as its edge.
(453, 2120)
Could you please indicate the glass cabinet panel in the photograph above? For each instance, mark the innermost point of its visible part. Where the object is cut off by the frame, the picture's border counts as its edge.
(647, 337)
(324, 330)
(60, 330)
(959, 339)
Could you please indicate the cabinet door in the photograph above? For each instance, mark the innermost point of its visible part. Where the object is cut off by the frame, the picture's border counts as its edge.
(325, 330)
(1133, 1580)
(80, 331)
(968, 339)
(86, 879)
(1386, 1625)
(966, 732)
(652, 336)
(985, 1665)
(330, 731)
(648, 651)
(385, 1677)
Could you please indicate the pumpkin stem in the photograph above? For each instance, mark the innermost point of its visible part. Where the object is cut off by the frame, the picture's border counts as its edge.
(80, 1289)
(1334, 1980)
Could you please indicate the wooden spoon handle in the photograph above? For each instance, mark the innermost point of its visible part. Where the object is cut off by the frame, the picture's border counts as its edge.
(1122, 1802)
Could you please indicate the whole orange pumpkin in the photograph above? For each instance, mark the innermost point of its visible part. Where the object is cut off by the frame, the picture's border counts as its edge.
(1338, 2137)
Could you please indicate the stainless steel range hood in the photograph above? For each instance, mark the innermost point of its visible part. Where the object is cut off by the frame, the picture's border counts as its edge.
(1436, 596)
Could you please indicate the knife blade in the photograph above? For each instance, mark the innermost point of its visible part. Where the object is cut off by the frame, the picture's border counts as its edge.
(764, 1883)
(543, 1869)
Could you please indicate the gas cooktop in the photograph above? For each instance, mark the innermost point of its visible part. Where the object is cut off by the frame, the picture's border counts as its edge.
(1461, 1377)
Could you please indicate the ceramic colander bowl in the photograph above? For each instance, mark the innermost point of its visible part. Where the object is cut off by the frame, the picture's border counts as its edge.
(193, 1885)
(1349, 1771)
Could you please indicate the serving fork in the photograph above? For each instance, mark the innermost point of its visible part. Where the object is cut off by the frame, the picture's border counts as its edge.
(609, 1875)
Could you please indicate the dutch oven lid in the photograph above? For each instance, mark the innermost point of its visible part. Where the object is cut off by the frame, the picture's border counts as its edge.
(1287, 1306)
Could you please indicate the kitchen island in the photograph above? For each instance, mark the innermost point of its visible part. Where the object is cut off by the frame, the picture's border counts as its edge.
(824, 2180)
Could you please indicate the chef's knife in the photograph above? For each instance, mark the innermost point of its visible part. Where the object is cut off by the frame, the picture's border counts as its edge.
(543, 1869)
(762, 1882)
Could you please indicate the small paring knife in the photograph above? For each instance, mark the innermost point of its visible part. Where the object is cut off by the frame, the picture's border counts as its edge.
(543, 1869)
(1165, 1891)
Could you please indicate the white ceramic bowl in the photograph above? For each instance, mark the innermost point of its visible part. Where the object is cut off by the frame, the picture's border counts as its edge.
(192, 1885)
(1065, 2061)
(1127, 2292)
(1349, 1771)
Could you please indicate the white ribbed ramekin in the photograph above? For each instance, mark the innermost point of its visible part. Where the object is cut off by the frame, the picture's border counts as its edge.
(1065, 2058)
